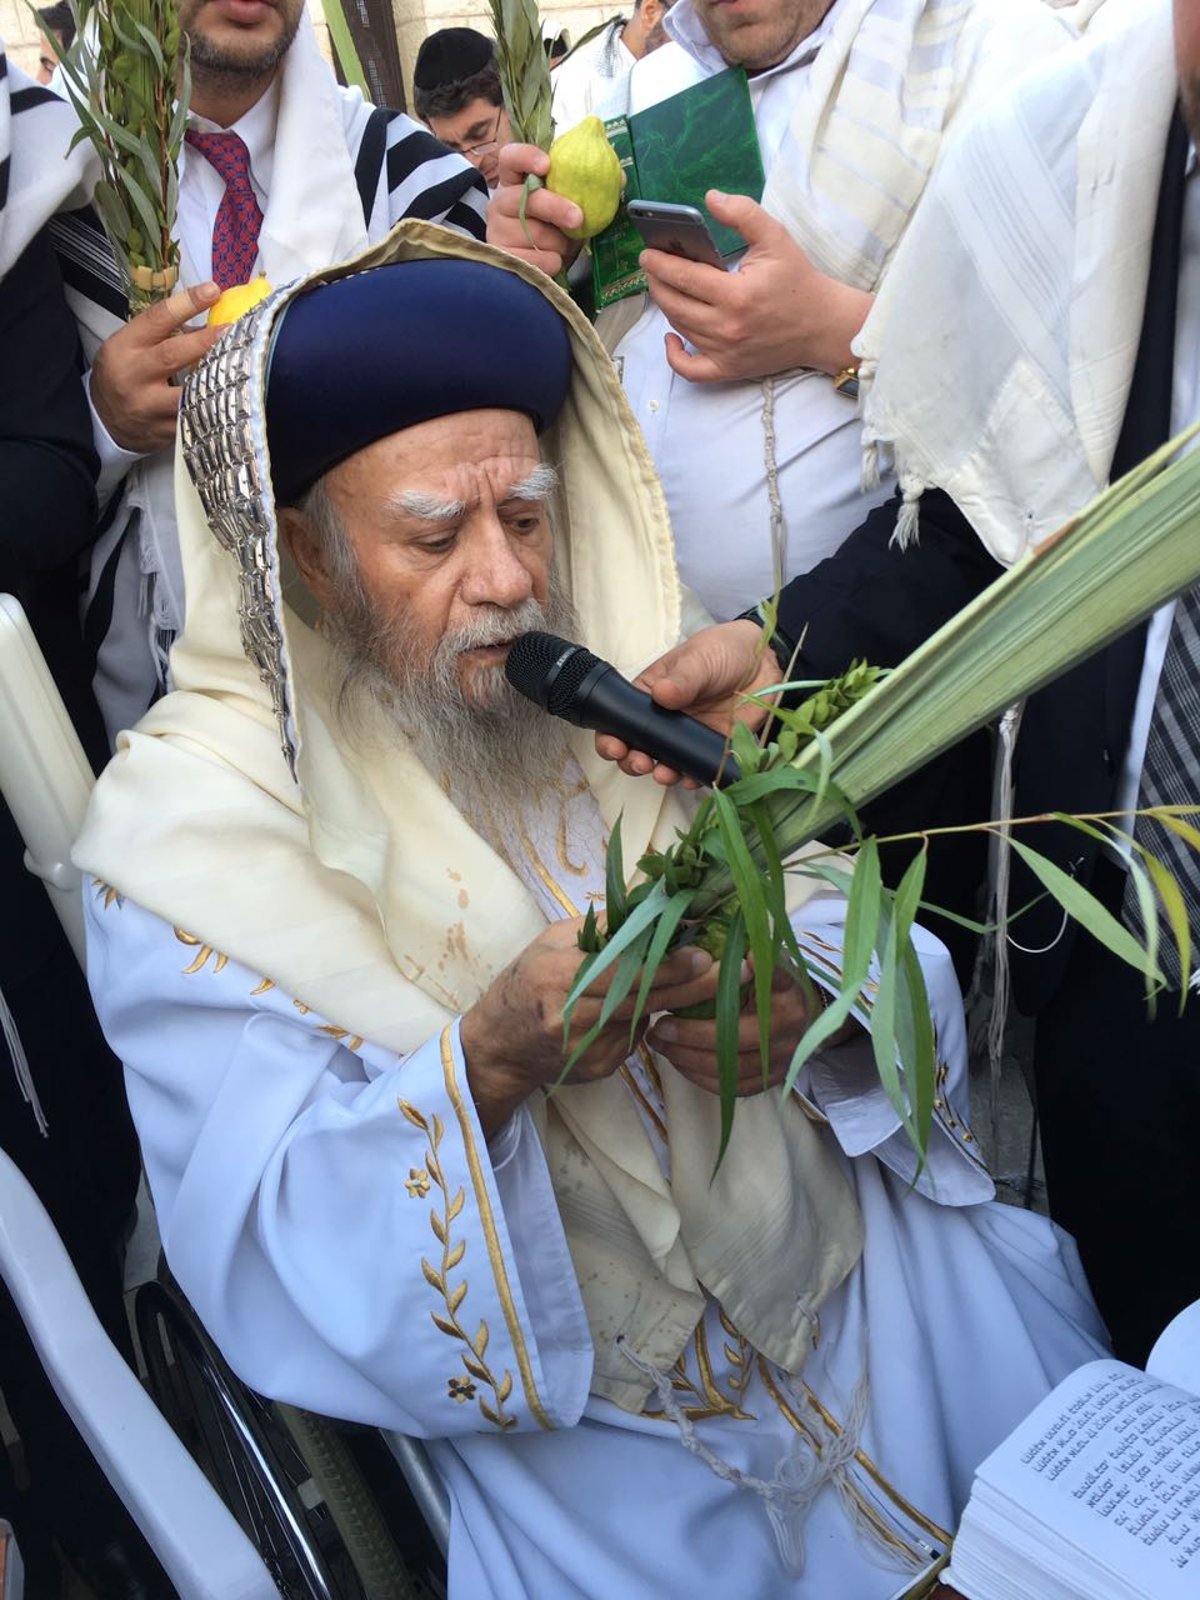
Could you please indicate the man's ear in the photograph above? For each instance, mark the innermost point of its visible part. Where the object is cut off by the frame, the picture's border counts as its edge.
(303, 543)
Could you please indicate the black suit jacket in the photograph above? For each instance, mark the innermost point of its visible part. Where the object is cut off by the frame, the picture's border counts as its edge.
(47, 518)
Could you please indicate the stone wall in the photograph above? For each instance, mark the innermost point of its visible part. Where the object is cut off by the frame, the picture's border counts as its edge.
(415, 19)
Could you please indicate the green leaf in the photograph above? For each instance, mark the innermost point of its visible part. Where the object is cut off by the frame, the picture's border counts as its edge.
(729, 1011)
(883, 1012)
(922, 1074)
(1177, 916)
(914, 1027)
(753, 911)
(594, 966)
(628, 966)
(664, 931)
(1177, 825)
(1083, 906)
(774, 882)
(745, 748)
(615, 907)
(864, 904)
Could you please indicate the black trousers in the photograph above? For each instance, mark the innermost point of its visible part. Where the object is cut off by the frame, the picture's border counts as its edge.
(1119, 1105)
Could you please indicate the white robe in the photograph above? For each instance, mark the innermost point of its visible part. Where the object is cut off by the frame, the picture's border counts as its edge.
(342, 1227)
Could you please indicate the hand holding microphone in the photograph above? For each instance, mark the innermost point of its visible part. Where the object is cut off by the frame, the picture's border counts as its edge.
(569, 681)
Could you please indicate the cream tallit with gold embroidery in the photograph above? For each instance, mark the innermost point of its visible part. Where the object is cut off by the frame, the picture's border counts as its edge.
(237, 809)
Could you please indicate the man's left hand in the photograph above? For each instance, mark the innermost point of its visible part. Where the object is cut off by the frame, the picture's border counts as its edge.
(774, 314)
(690, 1044)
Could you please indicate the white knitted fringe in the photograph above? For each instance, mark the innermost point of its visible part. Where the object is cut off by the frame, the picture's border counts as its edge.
(8, 1027)
(799, 1477)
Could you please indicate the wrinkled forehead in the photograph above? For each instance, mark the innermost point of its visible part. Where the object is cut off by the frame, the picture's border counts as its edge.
(456, 461)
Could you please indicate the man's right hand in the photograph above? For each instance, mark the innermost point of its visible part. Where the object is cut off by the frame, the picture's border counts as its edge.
(540, 238)
(709, 677)
(131, 383)
(512, 1037)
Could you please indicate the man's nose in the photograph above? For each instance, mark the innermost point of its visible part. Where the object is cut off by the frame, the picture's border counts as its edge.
(498, 576)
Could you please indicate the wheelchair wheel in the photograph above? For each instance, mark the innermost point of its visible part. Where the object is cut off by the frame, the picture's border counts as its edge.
(289, 1478)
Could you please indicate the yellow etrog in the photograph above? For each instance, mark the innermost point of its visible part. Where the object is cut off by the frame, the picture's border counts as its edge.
(585, 168)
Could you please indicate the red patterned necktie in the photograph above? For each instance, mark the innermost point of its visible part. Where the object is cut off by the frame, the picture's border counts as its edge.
(239, 216)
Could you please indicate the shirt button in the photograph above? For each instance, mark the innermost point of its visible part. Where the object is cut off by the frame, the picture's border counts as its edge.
(652, 407)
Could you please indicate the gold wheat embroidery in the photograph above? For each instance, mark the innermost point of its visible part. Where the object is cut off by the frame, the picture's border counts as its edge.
(704, 1389)
(473, 1357)
(204, 954)
(353, 1040)
(106, 891)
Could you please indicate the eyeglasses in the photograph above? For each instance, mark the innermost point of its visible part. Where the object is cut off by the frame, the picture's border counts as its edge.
(482, 149)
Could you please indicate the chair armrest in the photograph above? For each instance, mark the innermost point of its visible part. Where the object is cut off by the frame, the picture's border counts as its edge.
(44, 775)
(205, 1553)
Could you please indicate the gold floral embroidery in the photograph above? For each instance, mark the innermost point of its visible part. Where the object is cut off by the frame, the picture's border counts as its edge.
(264, 986)
(110, 895)
(438, 1278)
(204, 954)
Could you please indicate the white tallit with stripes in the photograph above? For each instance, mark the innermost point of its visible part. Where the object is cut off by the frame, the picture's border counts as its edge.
(875, 107)
(37, 175)
(998, 359)
(314, 216)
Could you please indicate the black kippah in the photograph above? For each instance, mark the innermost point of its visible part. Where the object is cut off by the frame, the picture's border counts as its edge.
(450, 55)
(365, 356)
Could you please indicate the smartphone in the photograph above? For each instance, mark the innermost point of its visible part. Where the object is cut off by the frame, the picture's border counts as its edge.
(680, 230)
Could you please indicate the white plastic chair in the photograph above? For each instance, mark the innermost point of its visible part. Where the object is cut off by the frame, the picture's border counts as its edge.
(45, 779)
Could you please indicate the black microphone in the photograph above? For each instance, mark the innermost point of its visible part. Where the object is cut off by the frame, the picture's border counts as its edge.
(568, 681)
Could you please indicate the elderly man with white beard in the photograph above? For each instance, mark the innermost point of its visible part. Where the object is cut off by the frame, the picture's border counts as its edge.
(336, 877)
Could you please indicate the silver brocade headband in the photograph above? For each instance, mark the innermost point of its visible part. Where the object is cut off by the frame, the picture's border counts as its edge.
(222, 428)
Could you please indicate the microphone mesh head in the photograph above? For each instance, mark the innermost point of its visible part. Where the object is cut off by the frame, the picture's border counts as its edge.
(547, 669)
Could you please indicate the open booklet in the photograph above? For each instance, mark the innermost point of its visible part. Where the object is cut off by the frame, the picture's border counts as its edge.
(1096, 1496)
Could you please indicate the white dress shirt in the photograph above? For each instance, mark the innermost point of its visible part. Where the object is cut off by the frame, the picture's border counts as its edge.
(201, 190)
(707, 440)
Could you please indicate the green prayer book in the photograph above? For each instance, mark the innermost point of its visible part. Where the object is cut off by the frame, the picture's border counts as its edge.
(699, 139)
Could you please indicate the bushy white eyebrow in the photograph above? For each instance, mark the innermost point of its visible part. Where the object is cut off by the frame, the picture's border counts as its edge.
(539, 485)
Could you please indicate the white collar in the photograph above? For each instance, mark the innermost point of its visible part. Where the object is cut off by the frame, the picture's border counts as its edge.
(256, 129)
(686, 28)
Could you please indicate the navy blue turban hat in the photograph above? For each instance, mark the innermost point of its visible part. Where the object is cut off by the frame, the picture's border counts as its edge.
(365, 356)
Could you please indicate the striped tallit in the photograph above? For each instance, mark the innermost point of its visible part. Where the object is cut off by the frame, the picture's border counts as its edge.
(37, 175)
(869, 123)
(998, 359)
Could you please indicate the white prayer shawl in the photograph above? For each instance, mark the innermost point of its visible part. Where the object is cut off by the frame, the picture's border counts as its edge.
(38, 176)
(313, 217)
(870, 120)
(998, 358)
(365, 890)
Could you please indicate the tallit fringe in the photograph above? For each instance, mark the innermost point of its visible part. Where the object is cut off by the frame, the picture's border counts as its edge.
(995, 947)
(799, 1477)
(160, 629)
(12, 1038)
(908, 527)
